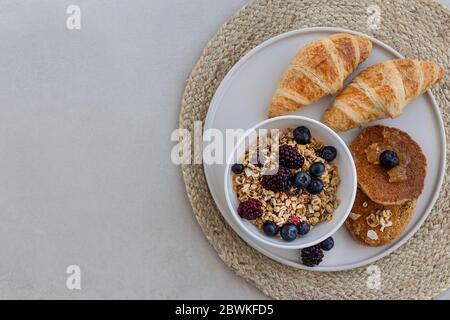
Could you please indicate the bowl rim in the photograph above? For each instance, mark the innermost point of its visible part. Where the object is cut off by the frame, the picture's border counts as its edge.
(289, 245)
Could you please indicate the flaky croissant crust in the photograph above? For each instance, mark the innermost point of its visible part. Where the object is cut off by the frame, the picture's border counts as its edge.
(318, 69)
(381, 91)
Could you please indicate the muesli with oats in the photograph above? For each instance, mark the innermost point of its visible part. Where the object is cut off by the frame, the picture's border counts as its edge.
(301, 193)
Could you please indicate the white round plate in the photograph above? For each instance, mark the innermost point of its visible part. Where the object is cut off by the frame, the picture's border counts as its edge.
(241, 101)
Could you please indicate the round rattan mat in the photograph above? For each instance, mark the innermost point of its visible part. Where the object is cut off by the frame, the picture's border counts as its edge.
(420, 269)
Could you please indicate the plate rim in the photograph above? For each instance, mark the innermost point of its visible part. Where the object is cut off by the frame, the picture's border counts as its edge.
(211, 113)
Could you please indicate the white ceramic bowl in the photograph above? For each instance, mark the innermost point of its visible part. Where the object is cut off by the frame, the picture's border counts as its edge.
(346, 191)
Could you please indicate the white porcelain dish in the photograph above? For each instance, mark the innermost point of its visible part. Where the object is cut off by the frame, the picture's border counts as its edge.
(345, 193)
(241, 100)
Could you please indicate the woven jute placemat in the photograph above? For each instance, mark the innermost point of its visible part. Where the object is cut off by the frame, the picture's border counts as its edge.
(420, 269)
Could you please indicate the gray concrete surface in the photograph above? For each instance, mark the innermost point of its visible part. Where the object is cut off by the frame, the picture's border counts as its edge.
(85, 171)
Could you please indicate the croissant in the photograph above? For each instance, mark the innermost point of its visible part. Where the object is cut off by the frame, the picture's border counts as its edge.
(381, 91)
(319, 69)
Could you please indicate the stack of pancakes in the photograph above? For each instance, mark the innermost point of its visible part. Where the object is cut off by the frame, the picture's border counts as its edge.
(384, 202)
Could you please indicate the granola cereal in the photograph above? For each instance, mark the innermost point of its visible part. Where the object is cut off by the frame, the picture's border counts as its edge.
(376, 225)
(295, 205)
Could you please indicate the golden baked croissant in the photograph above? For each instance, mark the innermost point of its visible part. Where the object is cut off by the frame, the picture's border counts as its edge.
(317, 70)
(381, 91)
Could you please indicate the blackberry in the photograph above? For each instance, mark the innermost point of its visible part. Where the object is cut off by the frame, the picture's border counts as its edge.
(290, 157)
(312, 256)
(279, 182)
(250, 209)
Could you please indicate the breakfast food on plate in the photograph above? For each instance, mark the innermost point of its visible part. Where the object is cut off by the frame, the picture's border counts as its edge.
(318, 69)
(390, 165)
(289, 199)
(312, 256)
(381, 91)
(376, 225)
(391, 170)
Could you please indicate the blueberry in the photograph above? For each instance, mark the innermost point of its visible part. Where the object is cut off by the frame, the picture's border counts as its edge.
(327, 244)
(303, 228)
(270, 228)
(237, 168)
(315, 187)
(302, 135)
(328, 153)
(317, 169)
(302, 180)
(389, 159)
(289, 232)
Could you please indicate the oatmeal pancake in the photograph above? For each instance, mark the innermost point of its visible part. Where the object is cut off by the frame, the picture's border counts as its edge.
(394, 186)
(376, 225)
